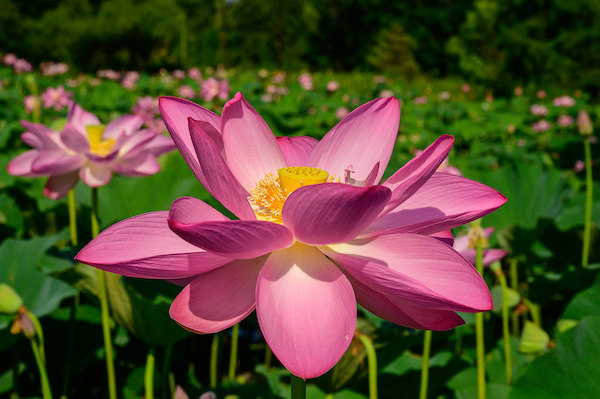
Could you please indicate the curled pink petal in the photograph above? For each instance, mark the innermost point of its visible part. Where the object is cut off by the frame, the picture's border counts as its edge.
(416, 268)
(223, 185)
(144, 246)
(408, 179)
(142, 164)
(193, 210)
(444, 202)
(332, 212)
(250, 147)
(127, 124)
(306, 310)
(58, 186)
(297, 150)
(81, 118)
(21, 165)
(363, 138)
(55, 162)
(74, 139)
(218, 299)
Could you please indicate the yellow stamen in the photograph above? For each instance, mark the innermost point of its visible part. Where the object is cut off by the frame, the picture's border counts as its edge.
(97, 145)
(475, 234)
(269, 194)
(294, 177)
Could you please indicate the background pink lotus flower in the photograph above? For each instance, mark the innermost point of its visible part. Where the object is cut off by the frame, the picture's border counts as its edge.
(490, 255)
(54, 68)
(9, 59)
(341, 112)
(565, 120)
(538, 110)
(146, 107)
(109, 74)
(563, 101)
(306, 81)
(89, 151)
(541, 126)
(179, 74)
(186, 91)
(130, 79)
(194, 73)
(22, 66)
(57, 98)
(212, 88)
(316, 232)
(420, 100)
(465, 88)
(332, 86)
(541, 94)
(31, 102)
(445, 95)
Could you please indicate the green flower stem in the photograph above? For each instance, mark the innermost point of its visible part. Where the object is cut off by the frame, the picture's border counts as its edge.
(372, 357)
(298, 388)
(479, 331)
(235, 333)
(514, 284)
(40, 334)
(589, 196)
(46, 391)
(72, 217)
(268, 356)
(505, 331)
(103, 296)
(166, 391)
(425, 364)
(214, 355)
(149, 375)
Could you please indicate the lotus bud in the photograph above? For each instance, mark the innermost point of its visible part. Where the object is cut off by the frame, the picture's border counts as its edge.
(584, 123)
(23, 324)
(10, 301)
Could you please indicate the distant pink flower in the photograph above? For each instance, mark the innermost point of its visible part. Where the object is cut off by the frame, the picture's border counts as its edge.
(22, 66)
(266, 98)
(54, 68)
(282, 90)
(56, 98)
(316, 234)
(87, 150)
(179, 74)
(146, 107)
(186, 91)
(194, 73)
(212, 88)
(465, 88)
(445, 95)
(306, 81)
(109, 74)
(271, 89)
(579, 165)
(9, 59)
(563, 101)
(541, 126)
(490, 255)
(31, 103)
(332, 86)
(541, 94)
(278, 77)
(565, 120)
(518, 91)
(341, 112)
(386, 93)
(130, 79)
(538, 110)
(420, 100)
(489, 98)
(379, 79)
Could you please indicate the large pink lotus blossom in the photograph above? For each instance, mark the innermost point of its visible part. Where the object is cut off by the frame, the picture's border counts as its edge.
(316, 232)
(463, 244)
(89, 151)
(57, 98)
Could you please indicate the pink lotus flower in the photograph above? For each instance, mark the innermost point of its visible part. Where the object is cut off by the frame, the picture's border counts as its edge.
(130, 79)
(332, 86)
(146, 107)
(87, 150)
(465, 88)
(212, 88)
(563, 101)
(54, 68)
(316, 232)
(186, 91)
(541, 94)
(306, 81)
(565, 120)
(9, 59)
(341, 112)
(541, 126)
(109, 74)
(22, 66)
(194, 73)
(466, 248)
(538, 110)
(31, 103)
(445, 95)
(420, 100)
(179, 74)
(56, 98)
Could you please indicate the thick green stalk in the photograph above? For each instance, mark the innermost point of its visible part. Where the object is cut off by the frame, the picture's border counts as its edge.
(372, 358)
(46, 391)
(589, 197)
(149, 375)
(235, 333)
(298, 388)
(214, 354)
(40, 334)
(514, 284)
(505, 332)
(166, 391)
(72, 217)
(103, 296)
(479, 331)
(425, 364)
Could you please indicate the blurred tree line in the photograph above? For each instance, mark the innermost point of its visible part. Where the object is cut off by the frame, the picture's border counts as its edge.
(489, 41)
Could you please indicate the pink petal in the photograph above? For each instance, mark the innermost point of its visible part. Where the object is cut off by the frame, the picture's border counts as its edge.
(218, 299)
(32, 140)
(193, 210)
(58, 186)
(223, 185)
(142, 164)
(408, 179)
(306, 310)
(21, 165)
(444, 202)
(415, 268)
(404, 313)
(74, 139)
(48, 138)
(489, 255)
(136, 143)
(55, 163)
(332, 212)
(250, 147)
(175, 113)
(237, 239)
(446, 237)
(363, 138)
(127, 124)
(95, 175)
(81, 118)
(296, 150)
(144, 246)
(160, 145)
